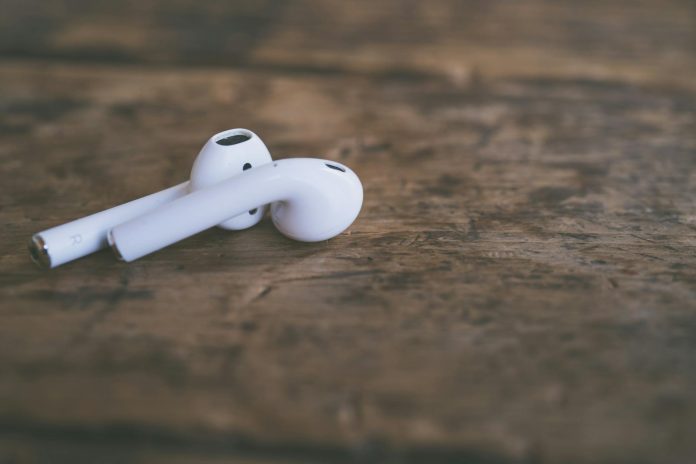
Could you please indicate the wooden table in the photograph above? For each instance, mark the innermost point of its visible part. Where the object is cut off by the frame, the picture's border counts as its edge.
(519, 287)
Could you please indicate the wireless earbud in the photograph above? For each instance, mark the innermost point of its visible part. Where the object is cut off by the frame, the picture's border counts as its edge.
(225, 155)
(311, 200)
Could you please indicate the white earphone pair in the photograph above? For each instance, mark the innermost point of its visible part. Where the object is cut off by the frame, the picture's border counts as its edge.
(232, 180)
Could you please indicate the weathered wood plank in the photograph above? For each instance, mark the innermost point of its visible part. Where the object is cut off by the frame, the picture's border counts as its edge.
(635, 40)
(520, 286)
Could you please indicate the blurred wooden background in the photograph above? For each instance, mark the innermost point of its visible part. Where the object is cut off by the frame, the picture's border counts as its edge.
(519, 288)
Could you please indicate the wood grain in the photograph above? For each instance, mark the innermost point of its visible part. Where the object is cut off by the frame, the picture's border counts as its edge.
(519, 287)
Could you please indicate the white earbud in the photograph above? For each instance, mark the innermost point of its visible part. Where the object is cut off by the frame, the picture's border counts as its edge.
(225, 155)
(311, 200)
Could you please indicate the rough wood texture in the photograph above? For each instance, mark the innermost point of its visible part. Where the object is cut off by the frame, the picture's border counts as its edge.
(520, 286)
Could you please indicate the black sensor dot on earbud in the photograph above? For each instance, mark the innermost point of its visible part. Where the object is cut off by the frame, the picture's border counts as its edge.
(244, 168)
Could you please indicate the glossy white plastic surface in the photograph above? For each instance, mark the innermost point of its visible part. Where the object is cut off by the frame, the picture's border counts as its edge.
(218, 162)
(219, 159)
(312, 200)
(81, 237)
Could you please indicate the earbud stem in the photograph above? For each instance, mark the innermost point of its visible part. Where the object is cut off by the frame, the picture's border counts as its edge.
(81, 237)
(196, 212)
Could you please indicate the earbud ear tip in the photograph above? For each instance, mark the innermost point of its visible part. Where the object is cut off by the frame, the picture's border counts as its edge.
(320, 209)
(225, 155)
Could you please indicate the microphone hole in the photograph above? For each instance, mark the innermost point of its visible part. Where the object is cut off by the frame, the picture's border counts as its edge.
(253, 211)
(233, 140)
(333, 166)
